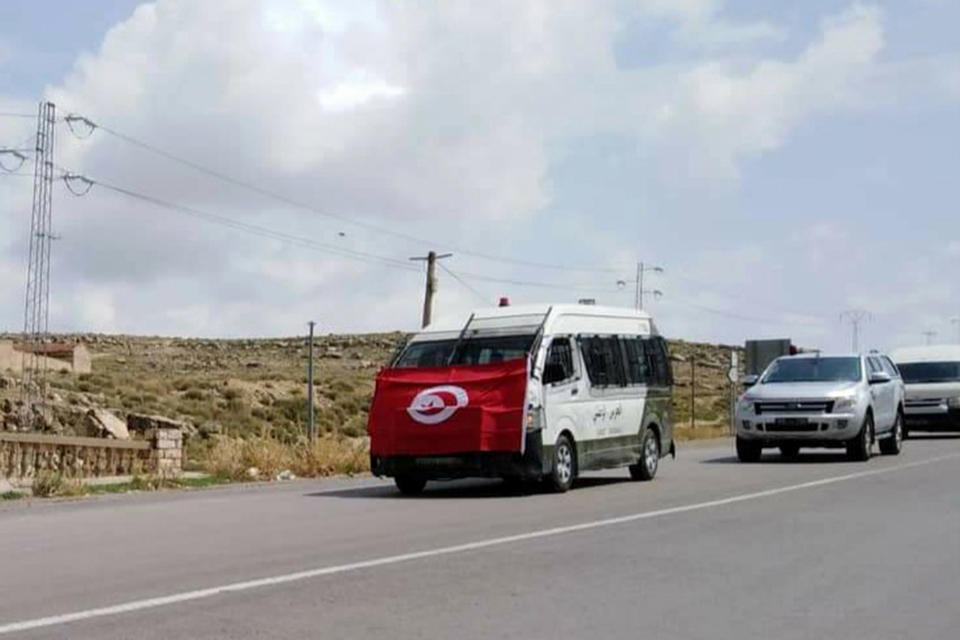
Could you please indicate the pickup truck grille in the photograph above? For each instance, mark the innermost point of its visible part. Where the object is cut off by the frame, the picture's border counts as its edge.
(799, 427)
(799, 406)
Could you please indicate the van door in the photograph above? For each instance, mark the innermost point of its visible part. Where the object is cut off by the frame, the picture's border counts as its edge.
(609, 424)
(563, 392)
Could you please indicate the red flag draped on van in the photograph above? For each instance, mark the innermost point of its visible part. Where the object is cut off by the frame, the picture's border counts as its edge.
(445, 410)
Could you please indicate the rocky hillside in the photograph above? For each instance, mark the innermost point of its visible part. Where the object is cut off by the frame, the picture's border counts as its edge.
(243, 388)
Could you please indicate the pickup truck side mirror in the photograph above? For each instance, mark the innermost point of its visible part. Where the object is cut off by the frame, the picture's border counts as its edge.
(749, 380)
(879, 377)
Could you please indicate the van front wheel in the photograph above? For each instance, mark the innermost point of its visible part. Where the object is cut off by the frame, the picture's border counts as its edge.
(564, 465)
(410, 484)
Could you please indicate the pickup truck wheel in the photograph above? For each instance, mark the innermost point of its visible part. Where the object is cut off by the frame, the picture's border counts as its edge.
(891, 446)
(410, 484)
(646, 469)
(748, 451)
(861, 447)
(790, 451)
(564, 466)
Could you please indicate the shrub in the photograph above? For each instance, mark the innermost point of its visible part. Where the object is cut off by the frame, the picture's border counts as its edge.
(328, 455)
(47, 484)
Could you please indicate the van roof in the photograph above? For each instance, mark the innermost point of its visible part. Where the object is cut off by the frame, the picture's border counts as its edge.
(927, 353)
(455, 322)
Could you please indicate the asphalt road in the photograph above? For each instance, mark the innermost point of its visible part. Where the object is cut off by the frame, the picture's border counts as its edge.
(820, 548)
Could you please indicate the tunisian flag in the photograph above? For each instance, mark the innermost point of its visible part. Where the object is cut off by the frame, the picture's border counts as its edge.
(445, 410)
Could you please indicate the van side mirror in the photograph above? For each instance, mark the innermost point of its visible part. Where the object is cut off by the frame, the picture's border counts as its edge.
(749, 380)
(879, 377)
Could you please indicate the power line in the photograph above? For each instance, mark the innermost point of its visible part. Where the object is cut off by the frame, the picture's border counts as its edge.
(250, 186)
(727, 293)
(8, 114)
(252, 228)
(736, 316)
(464, 283)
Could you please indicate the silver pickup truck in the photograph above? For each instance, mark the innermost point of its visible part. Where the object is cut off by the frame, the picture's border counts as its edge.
(814, 400)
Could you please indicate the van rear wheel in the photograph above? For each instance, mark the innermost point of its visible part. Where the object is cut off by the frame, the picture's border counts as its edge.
(646, 469)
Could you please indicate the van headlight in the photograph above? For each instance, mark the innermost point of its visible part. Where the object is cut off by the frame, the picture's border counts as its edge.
(844, 405)
(954, 402)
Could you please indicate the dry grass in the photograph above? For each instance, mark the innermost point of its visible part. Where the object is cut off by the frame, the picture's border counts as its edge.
(233, 457)
(48, 484)
(701, 431)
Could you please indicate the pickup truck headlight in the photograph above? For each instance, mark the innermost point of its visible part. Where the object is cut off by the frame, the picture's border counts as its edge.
(745, 405)
(954, 403)
(843, 405)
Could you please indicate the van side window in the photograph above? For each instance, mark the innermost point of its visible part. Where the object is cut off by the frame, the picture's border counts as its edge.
(603, 360)
(559, 364)
(667, 366)
(636, 360)
(658, 362)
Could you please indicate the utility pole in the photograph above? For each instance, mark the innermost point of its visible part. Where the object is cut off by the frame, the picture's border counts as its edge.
(638, 282)
(956, 323)
(929, 335)
(431, 260)
(856, 318)
(311, 423)
(36, 313)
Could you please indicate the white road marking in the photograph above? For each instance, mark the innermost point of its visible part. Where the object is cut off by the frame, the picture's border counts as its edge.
(199, 594)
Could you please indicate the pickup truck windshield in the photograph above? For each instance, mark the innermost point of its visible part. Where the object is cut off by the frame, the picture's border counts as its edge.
(472, 351)
(919, 372)
(814, 370)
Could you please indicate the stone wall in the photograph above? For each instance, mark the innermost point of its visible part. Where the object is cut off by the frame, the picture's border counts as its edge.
(23, 455)
(166, 435)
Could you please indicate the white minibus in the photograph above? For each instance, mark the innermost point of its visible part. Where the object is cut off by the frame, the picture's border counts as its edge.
(525, 392)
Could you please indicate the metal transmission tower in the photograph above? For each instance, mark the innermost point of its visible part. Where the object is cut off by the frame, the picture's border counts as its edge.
(856, 318)
(639, 291)
(36, 313)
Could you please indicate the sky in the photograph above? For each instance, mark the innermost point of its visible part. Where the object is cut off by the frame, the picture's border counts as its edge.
(781, 162)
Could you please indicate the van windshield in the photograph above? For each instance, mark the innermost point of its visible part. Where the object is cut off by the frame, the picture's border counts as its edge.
(841, 369)
(472, 351)
(918, 372)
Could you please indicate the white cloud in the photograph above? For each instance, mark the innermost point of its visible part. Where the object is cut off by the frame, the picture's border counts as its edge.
(353, 94)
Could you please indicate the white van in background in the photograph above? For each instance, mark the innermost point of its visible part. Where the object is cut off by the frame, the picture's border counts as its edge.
(932, 378)
(598, 395)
